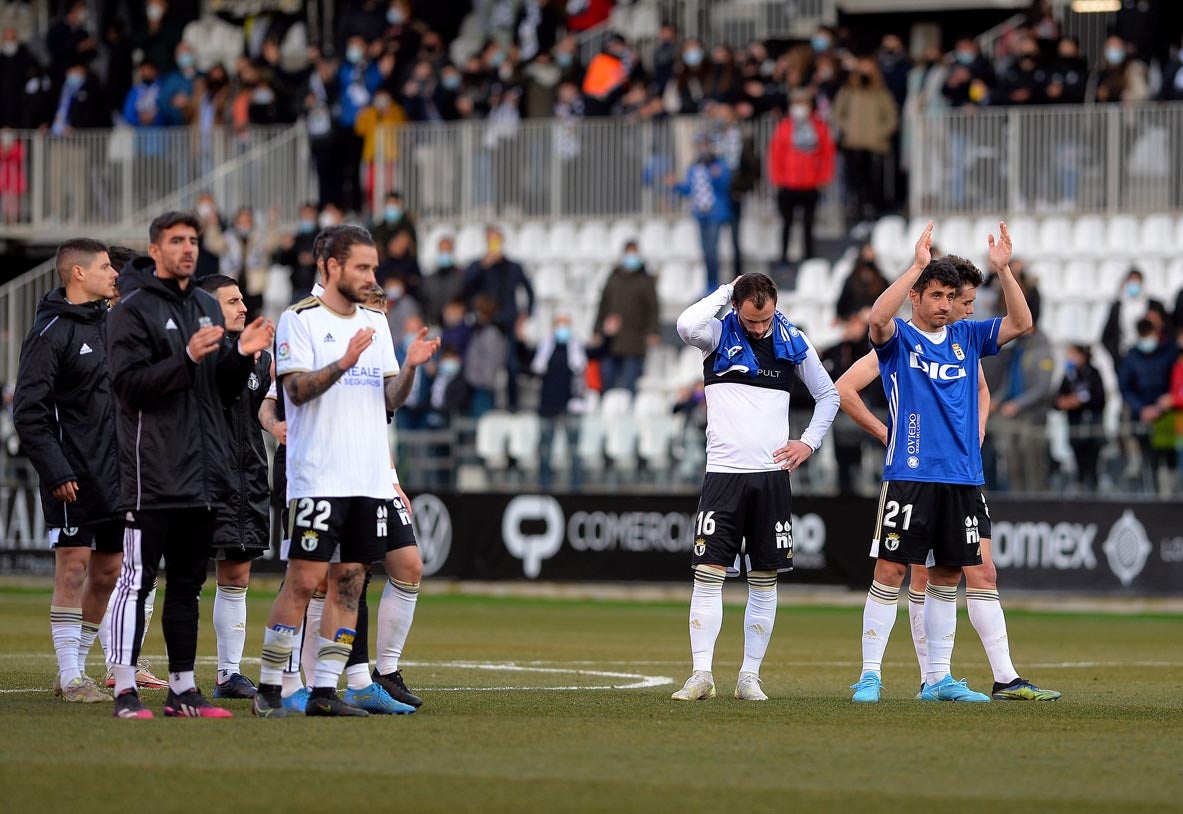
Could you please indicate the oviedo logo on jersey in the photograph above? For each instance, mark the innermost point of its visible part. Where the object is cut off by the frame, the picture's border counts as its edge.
(935, 370)
(913, 440)
(535, 528)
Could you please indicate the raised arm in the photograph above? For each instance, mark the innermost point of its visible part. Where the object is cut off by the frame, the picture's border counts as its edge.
(699, 324)
(1018, 320)
(890, 301)
(860, 376)
(398, 387)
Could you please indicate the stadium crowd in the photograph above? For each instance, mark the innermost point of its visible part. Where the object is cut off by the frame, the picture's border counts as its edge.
(391, 63)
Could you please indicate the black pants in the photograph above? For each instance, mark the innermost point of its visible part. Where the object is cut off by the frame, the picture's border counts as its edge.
(349, 150)
(183, 537)
(864, 183)
(787, 200)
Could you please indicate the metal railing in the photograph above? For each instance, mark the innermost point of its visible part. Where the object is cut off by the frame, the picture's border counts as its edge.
(106, 179)
(18, 305)
(1080, 159)
(588, 168)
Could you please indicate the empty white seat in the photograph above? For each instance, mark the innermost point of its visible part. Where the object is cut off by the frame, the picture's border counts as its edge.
(952, 236)
(655, 440)
(813, 278)
(561, 241)
(524, 432)
(1088, 236)
(1157, 235)
(684, 243)
(1024, 234)
(689, 365)
(593, 242)
(532, 241)
(649, 403)
(590, 447)
(492, 438)
(889, 236)
(470, 243)
(1121, 235)
(619, 233)
(754, 242)
(616, 402)
(549, 281)
(620, 442)
(1055, 236)
(655, 238)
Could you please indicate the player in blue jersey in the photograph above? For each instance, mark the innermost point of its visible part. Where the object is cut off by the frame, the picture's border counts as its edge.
(932, 473)
(981, 582)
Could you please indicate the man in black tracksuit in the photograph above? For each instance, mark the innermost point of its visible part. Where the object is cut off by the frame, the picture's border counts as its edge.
(172, 377)
(243, 528)
(64, 413)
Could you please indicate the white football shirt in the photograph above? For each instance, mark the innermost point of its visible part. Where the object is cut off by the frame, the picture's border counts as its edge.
(337, 443)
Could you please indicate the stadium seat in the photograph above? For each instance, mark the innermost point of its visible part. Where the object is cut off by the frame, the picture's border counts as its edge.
(1121, 235)
(532, 241)
(524, 432)
(470, 243)
(841, 269)
(649, 404)
(1048, 275)
(1156, 235)
(674, 285)
(561, 240)
(952, 236)
(1080, 280)
(616, 402)
(689, 366)
(655, 439)
(684, 242)
(892, 241)
(1088, 236)
(1055, 236)
(813, 278)
(753, 239)
(492, 438)
(593, 242)
(549, 281)
(590, 447)
(1024, 234)
(620, 441)
(655, 239)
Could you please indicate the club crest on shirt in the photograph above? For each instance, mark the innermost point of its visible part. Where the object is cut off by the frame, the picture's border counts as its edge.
(732, 351)
(958, 352)
(253, 382)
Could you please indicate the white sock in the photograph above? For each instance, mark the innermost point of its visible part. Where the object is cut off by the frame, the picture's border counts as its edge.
(940, 628)
(149, 606)
(878, 619)
(308, 648)
(125, 678)
(357, 676)
(230, 626)
(916, 618)
(65, 625)
(985, 614)
(706, 617)
(396, 611)
(182, 681)
(290, 683)
(89, 632)
(331, 655)
(758, 619)
(278, 641)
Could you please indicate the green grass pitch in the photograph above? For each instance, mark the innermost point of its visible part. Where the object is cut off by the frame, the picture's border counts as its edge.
(496, 735)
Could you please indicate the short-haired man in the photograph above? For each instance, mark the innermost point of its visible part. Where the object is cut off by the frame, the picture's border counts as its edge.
(64, 413)
(243, 527)
(335, 360)
(172, 375)
(981, 581)
(932, 475)
(750, 357)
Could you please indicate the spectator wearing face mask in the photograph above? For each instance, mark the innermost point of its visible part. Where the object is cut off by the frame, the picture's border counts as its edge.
(1121, 326)
(708, 187)
(178, 86)
(81, 105)
(160, 33)
(296, 252)
(402, 262)
(377, 124)
(1144, 379)
(866, 117)
(69, 41)
(208, 262)
(1120, 77)
(245, 252)
(559, 362)
(684, 94)
(800, 163)
(665, 56)
(142, 108)
(486, 359)
(628, 321)
(455, 327)
(445, 284)
(1081, 397)
(393, 217)
(15, 63)
(358, 79)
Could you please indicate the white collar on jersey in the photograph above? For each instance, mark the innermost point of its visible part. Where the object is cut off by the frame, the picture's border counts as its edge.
(935, 337)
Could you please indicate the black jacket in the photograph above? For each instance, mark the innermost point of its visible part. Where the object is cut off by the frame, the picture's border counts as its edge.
(173, 435)
(64, 410)
(244, 520)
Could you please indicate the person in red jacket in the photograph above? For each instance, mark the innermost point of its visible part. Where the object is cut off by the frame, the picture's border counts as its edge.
(800, 163)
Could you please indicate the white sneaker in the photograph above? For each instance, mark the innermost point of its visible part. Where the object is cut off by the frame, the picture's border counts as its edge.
(698, 687)
(748, 688)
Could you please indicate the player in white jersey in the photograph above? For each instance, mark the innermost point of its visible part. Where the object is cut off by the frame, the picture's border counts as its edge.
(932, 475)
(335, 361)
(750, 353)
(981, 581)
